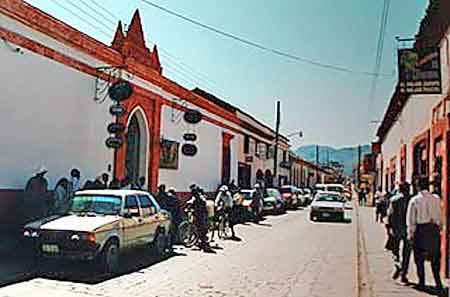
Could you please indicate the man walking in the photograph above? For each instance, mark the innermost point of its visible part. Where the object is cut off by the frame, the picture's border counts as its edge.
(424, 223)
(397, 216)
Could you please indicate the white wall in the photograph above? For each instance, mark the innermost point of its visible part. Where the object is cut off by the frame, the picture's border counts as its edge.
(205, 168)
(48, 117)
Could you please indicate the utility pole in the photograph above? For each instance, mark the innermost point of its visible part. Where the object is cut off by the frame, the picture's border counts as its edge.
(358, 170)
(277, 135)
(317, 155)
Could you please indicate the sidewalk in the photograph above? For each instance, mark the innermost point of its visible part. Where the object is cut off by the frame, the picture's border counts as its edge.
(379, 265)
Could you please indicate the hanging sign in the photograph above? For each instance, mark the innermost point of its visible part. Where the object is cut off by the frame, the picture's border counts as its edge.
(420, 70)
(114, 142)
(189, 149)
(120, 90)
(117, 110)
(116, 128)
(190, 136)
(192, 116)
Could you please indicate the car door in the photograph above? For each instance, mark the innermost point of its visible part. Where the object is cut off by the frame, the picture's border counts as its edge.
(149, 217)
(132, 222)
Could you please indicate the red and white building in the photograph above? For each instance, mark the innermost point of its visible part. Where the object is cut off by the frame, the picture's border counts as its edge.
(415, 132)
(51, 74)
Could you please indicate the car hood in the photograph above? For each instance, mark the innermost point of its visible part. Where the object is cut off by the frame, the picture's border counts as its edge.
(270, 199)
(73, 222)
(327, 204)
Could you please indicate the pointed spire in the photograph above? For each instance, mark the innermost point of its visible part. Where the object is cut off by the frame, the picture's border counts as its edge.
(135, 33)
(155, 59)
(118, 37)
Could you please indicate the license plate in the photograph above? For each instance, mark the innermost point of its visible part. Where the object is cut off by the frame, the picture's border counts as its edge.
(50, 248)
(325, 214)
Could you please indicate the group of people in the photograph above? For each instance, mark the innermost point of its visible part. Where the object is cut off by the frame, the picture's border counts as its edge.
(413, 224)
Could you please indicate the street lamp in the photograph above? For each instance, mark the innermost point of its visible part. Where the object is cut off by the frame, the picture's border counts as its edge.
(299, 133)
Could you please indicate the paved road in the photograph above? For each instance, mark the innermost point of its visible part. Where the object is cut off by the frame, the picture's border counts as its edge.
(283, 256)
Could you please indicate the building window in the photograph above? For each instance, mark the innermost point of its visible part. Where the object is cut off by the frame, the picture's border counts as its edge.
(246, 144)
(257, 148)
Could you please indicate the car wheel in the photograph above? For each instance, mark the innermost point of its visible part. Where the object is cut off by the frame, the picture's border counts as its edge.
(311, 217)
(110, 257)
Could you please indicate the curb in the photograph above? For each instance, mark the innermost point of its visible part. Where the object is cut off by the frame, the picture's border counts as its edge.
(364, 280)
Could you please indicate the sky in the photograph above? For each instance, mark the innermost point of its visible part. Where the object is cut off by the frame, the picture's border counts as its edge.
(329, 107)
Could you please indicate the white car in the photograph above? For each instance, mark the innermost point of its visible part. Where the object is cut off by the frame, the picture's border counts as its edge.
(99, 225)
(328, 206)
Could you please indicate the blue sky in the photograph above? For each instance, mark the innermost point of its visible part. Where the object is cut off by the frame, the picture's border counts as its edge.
(329, 107)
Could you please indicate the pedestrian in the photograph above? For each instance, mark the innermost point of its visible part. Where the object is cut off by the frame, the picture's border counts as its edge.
(114, 184)
(424, 224)
(360, 197)
(37, 200)
(162, 197)
(224, 201)
(397, 212)
(105, 179)
(378, 200)
(258, 202)
(74, 183)
(174, 208)
(62, 196)
(141, 183)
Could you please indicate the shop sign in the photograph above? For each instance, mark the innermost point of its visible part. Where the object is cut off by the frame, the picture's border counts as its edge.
(117, 110)
(114, 142)
(116, 128)
(189, 150)
(120, 90)
(192, 116)
(420, 70)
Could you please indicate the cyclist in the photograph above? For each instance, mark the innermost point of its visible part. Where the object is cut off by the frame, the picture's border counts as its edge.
(200, 212)
(224, 201)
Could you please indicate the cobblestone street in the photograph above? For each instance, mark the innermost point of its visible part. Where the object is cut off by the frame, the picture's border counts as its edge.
(283, 256)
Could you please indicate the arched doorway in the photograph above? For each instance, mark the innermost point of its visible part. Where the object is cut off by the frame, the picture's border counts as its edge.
(136, 159)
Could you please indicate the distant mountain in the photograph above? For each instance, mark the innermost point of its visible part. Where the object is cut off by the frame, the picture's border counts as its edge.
(348, 156)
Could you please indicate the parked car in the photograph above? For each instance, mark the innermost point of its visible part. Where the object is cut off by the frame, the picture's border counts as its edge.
(327, 205)
(292, 196)
(250, 211)
(100, 225)
(273, 203)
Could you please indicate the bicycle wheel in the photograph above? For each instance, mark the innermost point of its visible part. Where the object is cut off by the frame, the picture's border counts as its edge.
(188, 234)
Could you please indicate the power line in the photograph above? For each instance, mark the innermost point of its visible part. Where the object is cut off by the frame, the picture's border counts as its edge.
(88, 14)
(106, 18)
(81, 18)
(114, 17)
(260, 46)
(379, 54)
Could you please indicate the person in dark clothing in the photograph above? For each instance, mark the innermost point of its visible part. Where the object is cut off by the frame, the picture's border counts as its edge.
(141, 183)
(397, 216)
(114, 184)
(162, 197)
(200, 212)
(37, 199)
(173, 206)
(105, 179)
(98, 183)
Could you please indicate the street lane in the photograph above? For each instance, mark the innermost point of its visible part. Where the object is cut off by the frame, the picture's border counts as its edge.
(283, 256)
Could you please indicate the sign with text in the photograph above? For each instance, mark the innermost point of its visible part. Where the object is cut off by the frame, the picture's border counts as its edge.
(420, 70)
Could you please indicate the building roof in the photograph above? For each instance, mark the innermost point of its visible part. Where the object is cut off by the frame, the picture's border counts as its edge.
(222, 103)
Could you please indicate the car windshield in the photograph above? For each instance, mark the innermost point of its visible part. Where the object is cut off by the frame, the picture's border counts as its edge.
(335, 189)
(328, 198)
(285, 190)
(96, 204)
(320, 188)
(247, 195)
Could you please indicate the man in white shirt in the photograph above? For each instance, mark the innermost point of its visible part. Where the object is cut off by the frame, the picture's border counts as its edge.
(224, 199)
(424, 224)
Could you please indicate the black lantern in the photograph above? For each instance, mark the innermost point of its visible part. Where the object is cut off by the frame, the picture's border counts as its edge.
(192, 116)
(189, 150)
(120, 90)
(114, 142)
(116, 128)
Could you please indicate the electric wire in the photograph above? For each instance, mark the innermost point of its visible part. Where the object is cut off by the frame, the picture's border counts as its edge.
(261, 46)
